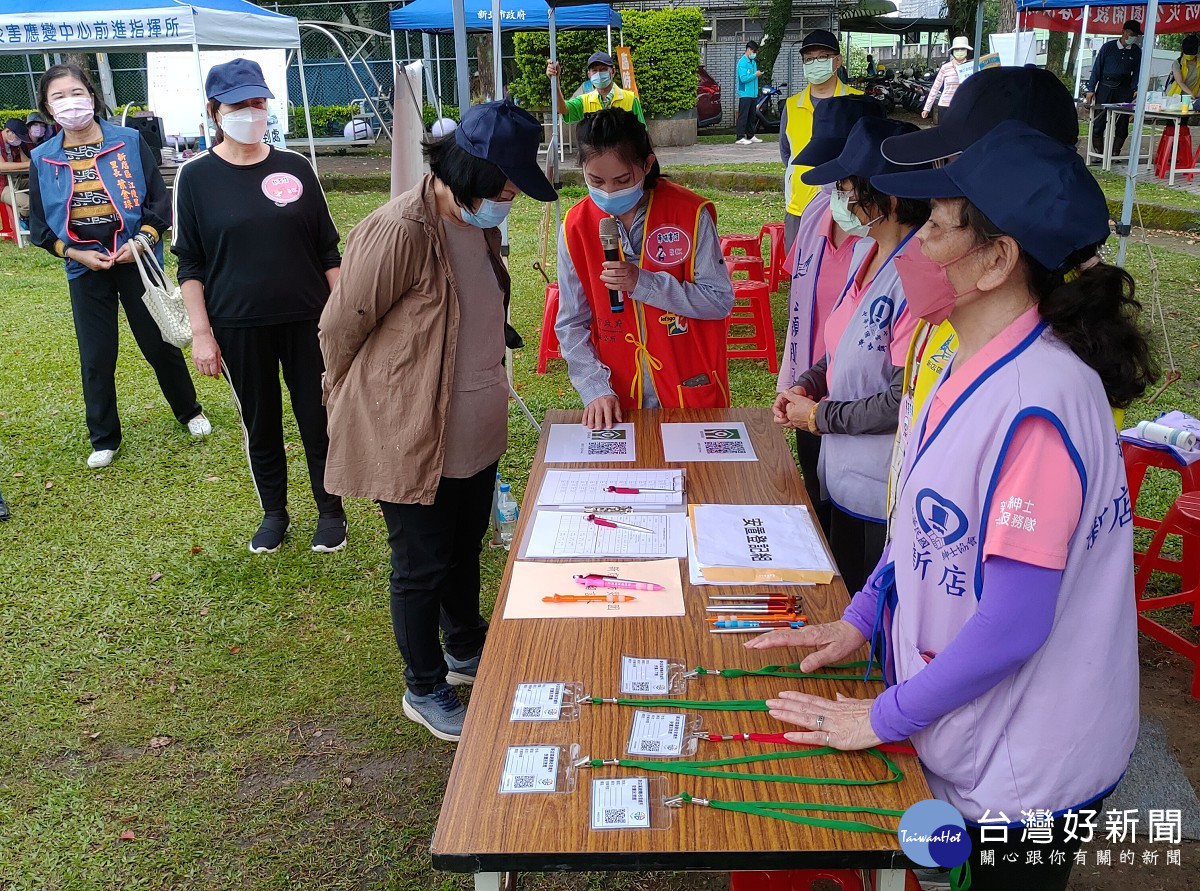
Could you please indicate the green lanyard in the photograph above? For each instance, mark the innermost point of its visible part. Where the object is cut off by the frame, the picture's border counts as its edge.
(708, 768)
(712, 705)
(792, 671)
(779, 811)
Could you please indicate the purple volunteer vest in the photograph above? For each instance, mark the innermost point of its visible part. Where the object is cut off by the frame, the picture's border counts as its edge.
(853, 468)
(1059, 731)
(808, 248)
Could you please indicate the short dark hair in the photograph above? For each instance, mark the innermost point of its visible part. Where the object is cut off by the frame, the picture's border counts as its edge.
(752, 44)
(53, 73)
(469, 179)
(620, 131)
(908, 212)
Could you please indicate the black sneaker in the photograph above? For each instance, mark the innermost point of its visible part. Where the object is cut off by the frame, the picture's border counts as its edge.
(270, 533)
(4, 511)
(330, 535)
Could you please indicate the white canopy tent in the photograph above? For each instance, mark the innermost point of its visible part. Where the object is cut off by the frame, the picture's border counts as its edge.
(57, 26)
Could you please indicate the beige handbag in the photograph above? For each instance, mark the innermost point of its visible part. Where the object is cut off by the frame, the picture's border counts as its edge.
(164, 300)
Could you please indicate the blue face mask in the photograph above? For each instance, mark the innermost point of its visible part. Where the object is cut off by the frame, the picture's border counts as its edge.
(490, 214)
(600, 79)
(617, 203)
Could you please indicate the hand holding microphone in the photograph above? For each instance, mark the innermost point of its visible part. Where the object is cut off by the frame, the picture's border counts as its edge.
(619, 275)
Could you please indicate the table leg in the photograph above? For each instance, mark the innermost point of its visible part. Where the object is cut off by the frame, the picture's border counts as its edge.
(488, 881)
(1174, 150)
(890, 879)
(1109, 118)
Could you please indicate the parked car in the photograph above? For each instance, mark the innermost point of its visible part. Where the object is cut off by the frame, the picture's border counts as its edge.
(708, 100)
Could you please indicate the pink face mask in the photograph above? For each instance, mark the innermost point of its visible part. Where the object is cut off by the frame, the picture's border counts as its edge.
(927, 288)
(73, 112)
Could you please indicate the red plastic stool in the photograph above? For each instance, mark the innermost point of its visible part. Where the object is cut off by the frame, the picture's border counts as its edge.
(1138, 459)
(752, 306)
(1182, 519)
(750, 245)
(775, 271)
(752, 266)
(8, 222)
(1183, 156)
(548, 343)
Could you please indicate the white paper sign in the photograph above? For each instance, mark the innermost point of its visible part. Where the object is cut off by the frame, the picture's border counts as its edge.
(758, 536)
(621, 804)
(707, 442)
(647, 677)
(530, 769)
(537, 702)
(174, 95)
(576, 443)
(656, 733)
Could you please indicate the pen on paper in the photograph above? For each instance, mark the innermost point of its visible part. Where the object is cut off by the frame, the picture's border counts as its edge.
(594, 580)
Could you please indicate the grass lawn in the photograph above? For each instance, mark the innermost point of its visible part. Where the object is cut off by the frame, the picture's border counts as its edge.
(179, 713)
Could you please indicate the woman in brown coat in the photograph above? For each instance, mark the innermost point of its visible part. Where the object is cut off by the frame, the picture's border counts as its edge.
(413, 341)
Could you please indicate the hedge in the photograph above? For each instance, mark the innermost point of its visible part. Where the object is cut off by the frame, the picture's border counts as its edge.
(321, 116)
(666, 56)
(429, 114)
(531, 87)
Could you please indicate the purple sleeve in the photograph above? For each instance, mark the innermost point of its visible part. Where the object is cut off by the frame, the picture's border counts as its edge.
(861, 611)
(1015, 615)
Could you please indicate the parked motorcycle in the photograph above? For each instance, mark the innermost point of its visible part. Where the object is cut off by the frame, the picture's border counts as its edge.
(768, 110)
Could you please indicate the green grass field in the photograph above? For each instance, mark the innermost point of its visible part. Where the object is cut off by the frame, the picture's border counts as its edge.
(181, 714)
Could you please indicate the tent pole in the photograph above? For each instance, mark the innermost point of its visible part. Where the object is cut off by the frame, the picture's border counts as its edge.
(204, 131)
(1079, 55)
(497, 68)
(462, 73)
(978, 33)
(1139, 118)
(610, 40)
(437, 67)
(312, 146)
(555, 135)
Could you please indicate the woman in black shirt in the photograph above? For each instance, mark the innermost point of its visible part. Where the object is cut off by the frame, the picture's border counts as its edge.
(258, 256)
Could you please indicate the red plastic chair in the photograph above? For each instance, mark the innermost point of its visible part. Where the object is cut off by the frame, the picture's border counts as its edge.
(752, 307)
(775, 271)
(803, 879)
(1183, 519)
(752, 266)
(548, 342)
(1138, 459)
(750, 245)
(8, 222)
(1184, 156)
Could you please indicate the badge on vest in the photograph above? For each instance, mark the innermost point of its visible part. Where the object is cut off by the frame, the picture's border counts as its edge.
(802, 268)
(669, 246)
(675, 324)
(282, 188)
(941, 527)
(878, 323)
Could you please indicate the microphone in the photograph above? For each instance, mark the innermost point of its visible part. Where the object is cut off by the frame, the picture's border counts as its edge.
(610, 241)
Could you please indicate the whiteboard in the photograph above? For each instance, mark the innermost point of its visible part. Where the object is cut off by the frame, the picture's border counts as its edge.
(175, 96)
(1017, 48)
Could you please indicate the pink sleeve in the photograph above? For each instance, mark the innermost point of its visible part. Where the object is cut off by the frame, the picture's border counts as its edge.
(902, 335)
(1038, 496)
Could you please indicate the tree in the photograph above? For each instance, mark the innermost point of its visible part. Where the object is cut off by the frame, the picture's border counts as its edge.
(778, 15)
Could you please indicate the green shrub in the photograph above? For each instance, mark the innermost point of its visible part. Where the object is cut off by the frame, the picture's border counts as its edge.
(321, 116)
(429, 114)
(531, 87)
(666, 54)
(19, 113)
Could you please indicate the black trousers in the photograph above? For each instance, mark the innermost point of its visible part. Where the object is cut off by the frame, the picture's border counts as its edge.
(808, 448)
(94, 299)
(857, 545)
(435, 576)
(1110, 95)
(746, 117)
(253, 358)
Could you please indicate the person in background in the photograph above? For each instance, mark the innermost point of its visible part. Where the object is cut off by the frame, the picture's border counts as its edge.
(39, 130)
(413, 339)
(946, 83)
(1112, 81)
(5, 513)
(1004, 612)
(851, 395)
(73, 214)
(258, 255)
(819, 265)
(14, 160)
(822, 57)
(605, 93)
(1185, 71)
(667, 346)
(748, 74)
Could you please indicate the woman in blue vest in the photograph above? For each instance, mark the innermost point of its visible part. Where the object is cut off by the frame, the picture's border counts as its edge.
(95, 197)
(851, 396)
(1004, 611)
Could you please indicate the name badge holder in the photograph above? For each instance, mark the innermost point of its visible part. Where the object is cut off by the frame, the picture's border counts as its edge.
(537, 769)
(652, 677)
(547, 701)
(630, 803)
(663, 734)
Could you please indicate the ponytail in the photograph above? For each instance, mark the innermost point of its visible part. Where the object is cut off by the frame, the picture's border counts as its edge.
(620, 131)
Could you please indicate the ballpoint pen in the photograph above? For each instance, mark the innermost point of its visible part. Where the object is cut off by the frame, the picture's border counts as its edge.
(616, 524)
(588, 598)
(740, 623)
(757, 597)
(595, 580)
(632, 490)
(752, 608)
(754, 617)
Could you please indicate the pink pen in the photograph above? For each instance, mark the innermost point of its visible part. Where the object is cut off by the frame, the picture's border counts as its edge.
(616, 524)
(629, 490)
(593, 580)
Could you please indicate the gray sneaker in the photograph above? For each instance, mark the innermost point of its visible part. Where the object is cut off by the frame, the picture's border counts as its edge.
(461, 672)
(440, 712)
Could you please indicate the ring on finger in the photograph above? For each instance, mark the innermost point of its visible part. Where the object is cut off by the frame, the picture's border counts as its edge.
(827, 737)
(820, 721)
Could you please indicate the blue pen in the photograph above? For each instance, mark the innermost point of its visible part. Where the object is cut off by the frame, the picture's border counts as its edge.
(741, 623)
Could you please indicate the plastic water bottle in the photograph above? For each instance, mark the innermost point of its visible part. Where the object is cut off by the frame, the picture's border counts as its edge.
(507, 511)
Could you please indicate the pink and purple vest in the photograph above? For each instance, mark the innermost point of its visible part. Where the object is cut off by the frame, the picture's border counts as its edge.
(1058, 732)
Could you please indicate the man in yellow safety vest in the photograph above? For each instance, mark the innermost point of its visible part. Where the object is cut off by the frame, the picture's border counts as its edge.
(604, 93)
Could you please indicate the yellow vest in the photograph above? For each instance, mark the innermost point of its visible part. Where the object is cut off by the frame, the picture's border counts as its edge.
(1191, 75)
(619, 99)
(799, 132)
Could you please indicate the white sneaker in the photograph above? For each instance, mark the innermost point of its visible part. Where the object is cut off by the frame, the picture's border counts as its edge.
(101, 458)
(755, 139)
(199, 426)
(742, 141)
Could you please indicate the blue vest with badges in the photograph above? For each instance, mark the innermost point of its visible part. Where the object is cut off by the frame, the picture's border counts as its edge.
(119, 166)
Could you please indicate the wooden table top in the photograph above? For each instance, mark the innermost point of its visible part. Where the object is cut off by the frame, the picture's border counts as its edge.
(480, 830)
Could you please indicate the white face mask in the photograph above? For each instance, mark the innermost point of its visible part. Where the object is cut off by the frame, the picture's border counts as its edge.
(847, 219)
(817, 71)
(246, 125)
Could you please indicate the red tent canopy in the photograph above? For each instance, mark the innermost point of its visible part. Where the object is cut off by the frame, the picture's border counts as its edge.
(1173, 18)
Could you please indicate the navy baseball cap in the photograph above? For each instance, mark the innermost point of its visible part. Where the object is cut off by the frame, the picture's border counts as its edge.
(820, 38)
(507, 136)
(600, 58)
(861, 155)
(1060, 210)
(1028, 94)
(832, 122)
(236, 81)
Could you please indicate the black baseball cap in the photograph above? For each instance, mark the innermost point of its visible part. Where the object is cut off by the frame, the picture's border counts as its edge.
(236, 81)
(832, 122)
(820, 38)
(1028, 94)
(507, 136)
(1133, 26)
(600, 58)
(17, 127)
(861, 155)
(1062, 209)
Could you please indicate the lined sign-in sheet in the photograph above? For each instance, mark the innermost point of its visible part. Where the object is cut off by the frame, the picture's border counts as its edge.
(569, 488)
(571, 534)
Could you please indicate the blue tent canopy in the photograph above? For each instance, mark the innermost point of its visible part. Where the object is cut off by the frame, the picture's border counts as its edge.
(435, 17)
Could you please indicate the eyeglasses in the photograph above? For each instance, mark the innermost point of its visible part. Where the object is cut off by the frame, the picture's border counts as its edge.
(851, 199)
